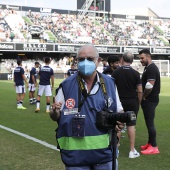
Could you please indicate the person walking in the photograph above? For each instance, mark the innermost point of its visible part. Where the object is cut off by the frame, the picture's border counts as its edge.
(33, 83)
(83, 146)
(150, 100)
(46, 84)
(19, 79)
(130, 93)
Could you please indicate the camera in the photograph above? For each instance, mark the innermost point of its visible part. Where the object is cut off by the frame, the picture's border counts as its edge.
(106, 119)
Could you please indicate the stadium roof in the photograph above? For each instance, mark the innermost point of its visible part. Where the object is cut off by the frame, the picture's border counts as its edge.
(135, 11)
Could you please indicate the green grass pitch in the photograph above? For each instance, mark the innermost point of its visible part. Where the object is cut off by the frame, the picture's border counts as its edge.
(19, 153)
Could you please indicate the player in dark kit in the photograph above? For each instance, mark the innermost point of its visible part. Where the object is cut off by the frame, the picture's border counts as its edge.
(46, 74)
(19, 79)
(72, 71)
(33, 83)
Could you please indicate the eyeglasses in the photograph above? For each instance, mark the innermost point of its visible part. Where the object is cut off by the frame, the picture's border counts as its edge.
(88, 58)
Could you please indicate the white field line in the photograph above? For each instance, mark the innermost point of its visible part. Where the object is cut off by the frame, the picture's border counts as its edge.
(30, 138)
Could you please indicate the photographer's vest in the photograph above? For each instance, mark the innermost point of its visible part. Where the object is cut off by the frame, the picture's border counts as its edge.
(93, 148)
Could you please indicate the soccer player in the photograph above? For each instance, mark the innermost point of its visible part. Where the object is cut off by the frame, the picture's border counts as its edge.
(72, 71)
(19, 79)
(33, 83)
(105, 65)
(46, 74)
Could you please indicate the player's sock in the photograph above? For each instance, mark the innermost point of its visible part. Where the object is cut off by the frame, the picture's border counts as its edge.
(31, 100)
(34, 100)
(38, 104)
(48, 106)
(18, 104)
(21, 102)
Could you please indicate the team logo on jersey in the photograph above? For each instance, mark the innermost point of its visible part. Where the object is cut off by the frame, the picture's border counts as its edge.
(109, 102)
(70, 103)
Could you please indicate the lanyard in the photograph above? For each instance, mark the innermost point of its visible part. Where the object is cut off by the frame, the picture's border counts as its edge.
(83, 91)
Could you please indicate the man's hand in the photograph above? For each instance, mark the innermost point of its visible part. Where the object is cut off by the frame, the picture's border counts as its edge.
(55, 110)
(119, 126)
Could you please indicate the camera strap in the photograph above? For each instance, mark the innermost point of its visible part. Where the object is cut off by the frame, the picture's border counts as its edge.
(83, 91)
(103, 86)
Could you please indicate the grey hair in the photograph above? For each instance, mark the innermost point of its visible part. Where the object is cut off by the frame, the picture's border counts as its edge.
(89, 46)
(128, 57)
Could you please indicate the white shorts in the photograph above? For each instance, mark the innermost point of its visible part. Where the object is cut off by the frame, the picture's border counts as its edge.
(20, 89)
(44, 88)
(31, 87)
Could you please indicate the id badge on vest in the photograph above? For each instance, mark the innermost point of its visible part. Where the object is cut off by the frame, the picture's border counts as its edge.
(78, 126)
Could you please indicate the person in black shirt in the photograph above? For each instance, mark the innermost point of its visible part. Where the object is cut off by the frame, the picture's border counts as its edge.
(113, 62)
(71, 71)
(33, 83)
(151, 88)
(130, 93)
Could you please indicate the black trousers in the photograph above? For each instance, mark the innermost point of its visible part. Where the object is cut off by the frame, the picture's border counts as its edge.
(149, 115)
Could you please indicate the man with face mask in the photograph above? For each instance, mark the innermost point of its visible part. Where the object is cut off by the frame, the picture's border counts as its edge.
(151, 90)
(83, 146)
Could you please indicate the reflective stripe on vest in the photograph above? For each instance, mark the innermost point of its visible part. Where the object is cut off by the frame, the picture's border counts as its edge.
(85, 143)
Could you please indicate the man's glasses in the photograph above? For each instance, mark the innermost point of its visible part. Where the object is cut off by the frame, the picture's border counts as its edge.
(88, 58)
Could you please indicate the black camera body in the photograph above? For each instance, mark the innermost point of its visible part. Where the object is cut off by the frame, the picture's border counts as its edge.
(106, 119)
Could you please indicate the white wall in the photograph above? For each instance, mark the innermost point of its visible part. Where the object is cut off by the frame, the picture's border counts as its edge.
(160, 7)
(55, 4)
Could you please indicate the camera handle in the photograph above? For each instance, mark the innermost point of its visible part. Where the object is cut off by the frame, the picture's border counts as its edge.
(113, 146)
